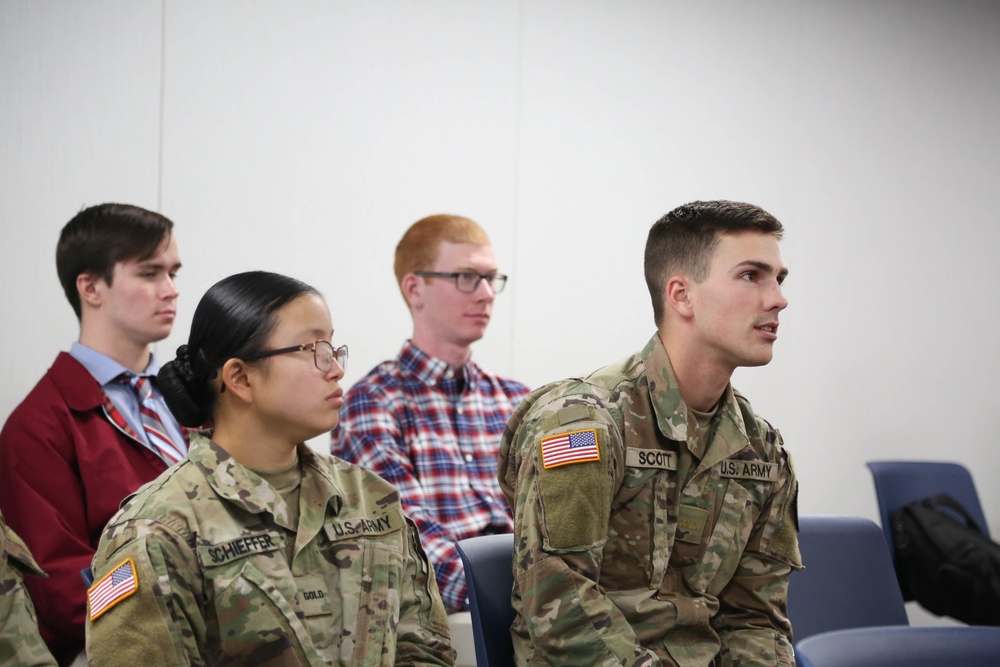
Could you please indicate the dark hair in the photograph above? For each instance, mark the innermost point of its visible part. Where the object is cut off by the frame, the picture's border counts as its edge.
(99, 237)
(234, 319)
(682, 241)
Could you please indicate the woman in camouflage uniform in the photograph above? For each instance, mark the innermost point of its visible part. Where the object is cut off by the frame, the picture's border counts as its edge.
(255, 550)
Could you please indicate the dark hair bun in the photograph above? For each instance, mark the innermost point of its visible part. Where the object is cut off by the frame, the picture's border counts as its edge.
(183, 389)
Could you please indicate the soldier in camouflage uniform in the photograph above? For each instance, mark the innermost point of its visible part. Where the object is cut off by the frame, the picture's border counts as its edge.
(20, 643)
(655, 512)
(255, 550)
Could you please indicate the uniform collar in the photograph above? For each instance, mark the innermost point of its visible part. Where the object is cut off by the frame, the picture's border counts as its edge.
(730, 434)
(245, 488)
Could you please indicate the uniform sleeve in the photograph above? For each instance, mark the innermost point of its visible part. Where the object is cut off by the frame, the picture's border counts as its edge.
(753, 620)
(160, 623)
(20, 643)
(369, 435)
(561, 518)
(423, 637)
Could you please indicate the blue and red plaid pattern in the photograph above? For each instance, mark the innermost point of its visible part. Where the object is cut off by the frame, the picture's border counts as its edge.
(410, 421)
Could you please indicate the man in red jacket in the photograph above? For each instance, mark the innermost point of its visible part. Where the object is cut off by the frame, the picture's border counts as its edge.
(91, 432)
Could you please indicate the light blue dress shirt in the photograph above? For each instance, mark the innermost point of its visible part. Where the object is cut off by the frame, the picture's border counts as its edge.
(106, 371)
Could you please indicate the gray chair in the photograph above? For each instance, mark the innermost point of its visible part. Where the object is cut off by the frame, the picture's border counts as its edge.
(848, 580)
(902, 647)
(898, 483)
(489, 578)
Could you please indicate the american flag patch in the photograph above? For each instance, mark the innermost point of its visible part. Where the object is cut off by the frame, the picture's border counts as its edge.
(112, 589)
(572, 447)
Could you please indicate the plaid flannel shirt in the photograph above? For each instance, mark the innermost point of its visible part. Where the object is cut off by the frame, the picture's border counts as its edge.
(411, 422)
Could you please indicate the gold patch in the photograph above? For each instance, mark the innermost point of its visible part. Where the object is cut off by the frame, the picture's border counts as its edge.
(312, 595)
(691, 524)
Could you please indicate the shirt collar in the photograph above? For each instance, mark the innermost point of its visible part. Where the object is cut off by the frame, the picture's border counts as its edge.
(431, 370)
(103, 368)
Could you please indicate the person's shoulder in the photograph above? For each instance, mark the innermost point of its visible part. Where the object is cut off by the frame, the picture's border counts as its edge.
(507, 385)
(600, 387)
(383, 378)
(64, 388)
(168, 499)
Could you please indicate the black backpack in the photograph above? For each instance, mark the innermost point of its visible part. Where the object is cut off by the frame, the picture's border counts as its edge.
(944, 562)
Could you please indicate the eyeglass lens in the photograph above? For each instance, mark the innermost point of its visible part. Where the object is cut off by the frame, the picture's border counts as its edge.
(466, 281)
(324, 353)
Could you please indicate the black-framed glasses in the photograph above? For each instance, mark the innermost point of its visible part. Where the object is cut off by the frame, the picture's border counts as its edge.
(323, 354)
(468, 281)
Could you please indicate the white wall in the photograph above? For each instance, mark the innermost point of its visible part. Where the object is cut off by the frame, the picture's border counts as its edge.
(305, 136)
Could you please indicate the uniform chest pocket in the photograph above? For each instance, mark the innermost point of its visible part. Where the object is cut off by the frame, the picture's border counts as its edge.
(708, 564)
(249, 595)
(370, 573)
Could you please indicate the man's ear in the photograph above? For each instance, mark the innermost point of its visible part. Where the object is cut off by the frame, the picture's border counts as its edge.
(87, 288)
(677, 295)
(412, 288)
(236, 380)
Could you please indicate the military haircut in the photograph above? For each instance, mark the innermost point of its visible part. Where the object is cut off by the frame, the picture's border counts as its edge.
(99, 237)
(418, 249)
(683, 241)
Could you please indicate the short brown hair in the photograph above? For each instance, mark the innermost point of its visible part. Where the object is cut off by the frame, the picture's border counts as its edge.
(99, 237)
(418, 249)
(682, 241)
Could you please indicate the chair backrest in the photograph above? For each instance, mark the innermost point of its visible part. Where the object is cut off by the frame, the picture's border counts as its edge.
(848, 580)
(490, 579)
(953, 646)
(898, 483)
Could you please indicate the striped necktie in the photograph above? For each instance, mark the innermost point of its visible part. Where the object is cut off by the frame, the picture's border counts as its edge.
(156, 434)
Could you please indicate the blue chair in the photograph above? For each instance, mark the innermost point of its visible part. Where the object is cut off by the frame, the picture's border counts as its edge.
(962, 646)
(490, 580)
(848, 580)
(898, 483)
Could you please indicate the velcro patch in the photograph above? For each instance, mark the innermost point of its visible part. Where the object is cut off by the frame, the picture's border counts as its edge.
(571, 447)
(247, 545)
(114, 587)
(312, 595)
(691, 524)
(650, 458)
(760, 471)
(352, 527)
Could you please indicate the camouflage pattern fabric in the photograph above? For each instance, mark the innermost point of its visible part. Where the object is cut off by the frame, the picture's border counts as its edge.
(674, 548)
(20, 643)
(207, 539)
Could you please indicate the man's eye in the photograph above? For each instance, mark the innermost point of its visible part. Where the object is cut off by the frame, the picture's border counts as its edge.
(749, 275)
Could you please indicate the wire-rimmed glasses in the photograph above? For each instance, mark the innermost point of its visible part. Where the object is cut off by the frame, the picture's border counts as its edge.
(324, 354)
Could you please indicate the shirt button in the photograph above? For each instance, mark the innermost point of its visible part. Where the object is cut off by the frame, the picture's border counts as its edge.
(468, 458)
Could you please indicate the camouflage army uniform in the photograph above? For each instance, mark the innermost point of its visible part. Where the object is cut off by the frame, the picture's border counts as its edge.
(20, 643)
(214, 586)
(673, 548)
